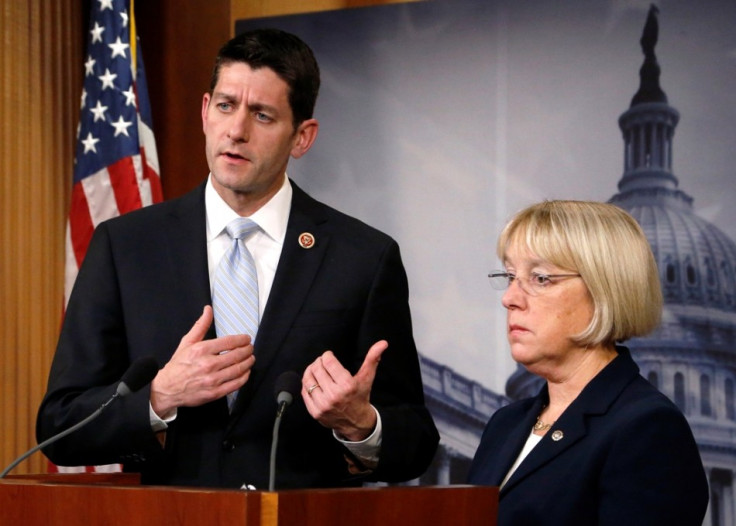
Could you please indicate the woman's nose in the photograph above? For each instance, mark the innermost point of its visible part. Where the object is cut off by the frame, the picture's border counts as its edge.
(514, 294)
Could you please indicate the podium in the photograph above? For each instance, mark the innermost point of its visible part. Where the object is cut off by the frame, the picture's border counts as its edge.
(119, 499)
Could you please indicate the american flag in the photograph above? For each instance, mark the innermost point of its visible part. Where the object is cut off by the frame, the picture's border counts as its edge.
(116, 165)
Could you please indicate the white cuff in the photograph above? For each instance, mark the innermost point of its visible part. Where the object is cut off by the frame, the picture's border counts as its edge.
(157, 423)
(368, 449)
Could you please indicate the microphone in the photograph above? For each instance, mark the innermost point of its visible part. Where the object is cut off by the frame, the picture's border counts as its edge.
(287, 385)
(141, 372)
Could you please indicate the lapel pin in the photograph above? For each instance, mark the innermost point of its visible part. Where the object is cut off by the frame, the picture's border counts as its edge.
(557, 435)
(306, 240)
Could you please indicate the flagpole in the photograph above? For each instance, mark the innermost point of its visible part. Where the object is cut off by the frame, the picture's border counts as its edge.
(133, 41)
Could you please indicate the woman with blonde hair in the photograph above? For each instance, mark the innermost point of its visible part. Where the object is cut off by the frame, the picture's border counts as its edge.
(598, 444)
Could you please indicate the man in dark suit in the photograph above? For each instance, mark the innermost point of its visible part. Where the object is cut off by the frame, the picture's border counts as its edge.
(332, 295)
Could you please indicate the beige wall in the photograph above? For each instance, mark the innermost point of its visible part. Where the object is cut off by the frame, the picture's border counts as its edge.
(39, 96)
(41, 64)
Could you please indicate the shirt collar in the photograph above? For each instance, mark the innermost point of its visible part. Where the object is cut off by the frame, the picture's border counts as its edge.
(271, 217)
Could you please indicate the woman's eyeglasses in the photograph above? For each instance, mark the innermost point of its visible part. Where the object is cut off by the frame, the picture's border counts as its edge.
(534, 284)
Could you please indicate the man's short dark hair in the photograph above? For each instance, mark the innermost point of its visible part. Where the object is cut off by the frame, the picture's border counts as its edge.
(287, 55)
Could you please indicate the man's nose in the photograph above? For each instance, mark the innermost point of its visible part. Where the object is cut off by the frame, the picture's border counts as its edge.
(240, 127)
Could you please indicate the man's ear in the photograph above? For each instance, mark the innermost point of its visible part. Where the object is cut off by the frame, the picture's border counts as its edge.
(205, 104)
(305, 134)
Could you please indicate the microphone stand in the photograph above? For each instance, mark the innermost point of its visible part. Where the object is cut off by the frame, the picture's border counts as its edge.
(141, 372)
(59, 436)
(274, 445)
(287, 385)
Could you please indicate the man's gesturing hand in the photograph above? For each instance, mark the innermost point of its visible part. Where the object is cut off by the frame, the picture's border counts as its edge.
(199, 371)
(341, 401)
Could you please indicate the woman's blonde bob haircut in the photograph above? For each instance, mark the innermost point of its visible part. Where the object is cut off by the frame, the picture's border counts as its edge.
(609, 250)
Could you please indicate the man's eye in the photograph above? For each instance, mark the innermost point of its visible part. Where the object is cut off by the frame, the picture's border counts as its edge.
(263, 117)
(224, 106)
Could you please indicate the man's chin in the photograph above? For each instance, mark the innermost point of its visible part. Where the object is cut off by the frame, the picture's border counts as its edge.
(232, 181)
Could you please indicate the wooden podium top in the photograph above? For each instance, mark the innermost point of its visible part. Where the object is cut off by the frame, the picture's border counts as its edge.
(118, 499)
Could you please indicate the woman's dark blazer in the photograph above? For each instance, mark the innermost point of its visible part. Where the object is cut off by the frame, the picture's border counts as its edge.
(621, 454)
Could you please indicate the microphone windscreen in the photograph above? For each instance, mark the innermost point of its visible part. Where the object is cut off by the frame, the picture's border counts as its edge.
(287, 382)
(140, 373)
(284, 397)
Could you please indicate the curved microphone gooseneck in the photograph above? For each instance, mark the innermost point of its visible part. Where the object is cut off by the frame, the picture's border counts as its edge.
(141, 372)
(287, 386)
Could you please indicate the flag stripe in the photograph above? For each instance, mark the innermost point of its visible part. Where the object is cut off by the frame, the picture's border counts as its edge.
(80, 223)
(152, 180)
(125, 184)
(100, 198)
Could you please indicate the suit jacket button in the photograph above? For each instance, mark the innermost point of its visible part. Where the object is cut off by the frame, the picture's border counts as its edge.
(228, 445)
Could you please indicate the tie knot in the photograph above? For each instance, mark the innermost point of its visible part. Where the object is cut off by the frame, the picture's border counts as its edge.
(241, 228)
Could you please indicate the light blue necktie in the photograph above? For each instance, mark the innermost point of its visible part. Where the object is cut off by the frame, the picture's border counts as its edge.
(235, 291)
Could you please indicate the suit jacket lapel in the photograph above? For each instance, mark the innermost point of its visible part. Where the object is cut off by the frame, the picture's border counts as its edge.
(510, 447)
(186, 252)
(295, 273)
(573, 426)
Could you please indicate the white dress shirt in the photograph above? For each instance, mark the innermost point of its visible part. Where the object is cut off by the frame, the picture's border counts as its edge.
(531, 441)
(264, 245)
